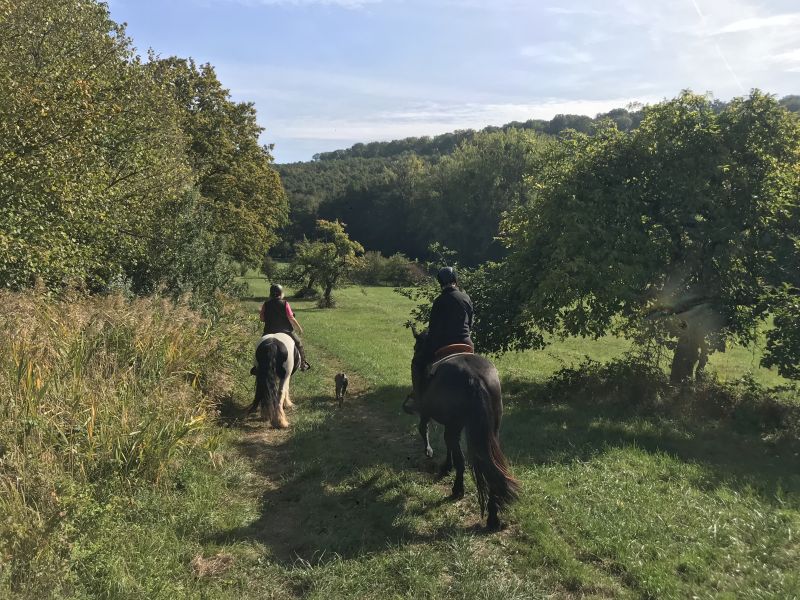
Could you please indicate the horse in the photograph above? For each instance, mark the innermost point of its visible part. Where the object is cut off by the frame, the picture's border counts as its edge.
(464, 393)
(277, 359)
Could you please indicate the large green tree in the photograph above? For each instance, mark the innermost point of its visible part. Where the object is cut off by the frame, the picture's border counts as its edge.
(329, 259)
(693, 214)
(238, 185)
(462, 199)
(89, 144)
(380, 208)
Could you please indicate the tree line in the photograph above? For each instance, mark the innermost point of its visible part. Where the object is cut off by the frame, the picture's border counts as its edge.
(405, 195)
(439, 145)
(681, 232)
(119, 170)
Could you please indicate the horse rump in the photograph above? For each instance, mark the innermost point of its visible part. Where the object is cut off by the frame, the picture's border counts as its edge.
(268, 360)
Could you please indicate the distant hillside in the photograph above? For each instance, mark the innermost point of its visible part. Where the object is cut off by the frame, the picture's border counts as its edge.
(358, 184)
(445, 143)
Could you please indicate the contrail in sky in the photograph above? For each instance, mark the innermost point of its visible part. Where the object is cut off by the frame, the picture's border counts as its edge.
(719, 50)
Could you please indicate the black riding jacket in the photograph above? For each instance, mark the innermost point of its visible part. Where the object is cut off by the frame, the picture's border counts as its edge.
(275, 317)
(451, 319)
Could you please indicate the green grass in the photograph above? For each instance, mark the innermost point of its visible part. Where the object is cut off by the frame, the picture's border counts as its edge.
(358, 304)
(618, 501)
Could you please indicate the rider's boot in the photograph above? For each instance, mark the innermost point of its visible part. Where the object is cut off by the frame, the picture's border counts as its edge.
(304, 364)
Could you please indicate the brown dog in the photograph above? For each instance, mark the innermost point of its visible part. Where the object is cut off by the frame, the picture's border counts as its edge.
(341, 387)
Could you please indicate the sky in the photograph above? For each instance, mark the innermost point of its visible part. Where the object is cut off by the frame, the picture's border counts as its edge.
(325, 74)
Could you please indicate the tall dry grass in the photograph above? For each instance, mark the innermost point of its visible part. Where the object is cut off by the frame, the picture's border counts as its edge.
(98, 396)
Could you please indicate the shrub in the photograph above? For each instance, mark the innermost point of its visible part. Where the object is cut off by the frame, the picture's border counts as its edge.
(639, 384)
(396, 270)
(99, 397)
(269, 268)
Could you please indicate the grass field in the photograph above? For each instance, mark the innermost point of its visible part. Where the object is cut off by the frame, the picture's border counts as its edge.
(617, 502)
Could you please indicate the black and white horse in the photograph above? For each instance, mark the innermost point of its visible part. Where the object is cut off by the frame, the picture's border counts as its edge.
(277, 358)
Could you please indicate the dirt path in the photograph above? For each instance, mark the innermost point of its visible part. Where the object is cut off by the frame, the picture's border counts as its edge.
(300, 472)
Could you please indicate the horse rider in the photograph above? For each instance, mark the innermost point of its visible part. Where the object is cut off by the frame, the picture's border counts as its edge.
(278, 317)
(451, 316)
(449, 326)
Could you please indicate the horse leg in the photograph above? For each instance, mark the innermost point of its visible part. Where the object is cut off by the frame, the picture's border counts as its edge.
(447, 466)
(253, 407)
(493, 522)
(286, 401)
(278, 419)
(452, 437)
(423, 431)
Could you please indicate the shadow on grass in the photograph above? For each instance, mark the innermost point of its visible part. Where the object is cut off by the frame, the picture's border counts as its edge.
(536, 431)
(340, 486)
(355, 481)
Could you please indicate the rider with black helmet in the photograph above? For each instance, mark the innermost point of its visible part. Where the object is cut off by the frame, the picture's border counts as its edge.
(451, 314)
(279, 318)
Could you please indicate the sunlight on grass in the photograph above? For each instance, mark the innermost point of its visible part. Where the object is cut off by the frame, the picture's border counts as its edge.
(617, 502)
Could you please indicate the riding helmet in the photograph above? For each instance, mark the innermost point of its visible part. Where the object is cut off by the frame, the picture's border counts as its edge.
(275, 291)
(446, 276)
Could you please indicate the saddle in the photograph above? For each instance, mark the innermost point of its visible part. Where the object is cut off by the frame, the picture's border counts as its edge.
(446, 353)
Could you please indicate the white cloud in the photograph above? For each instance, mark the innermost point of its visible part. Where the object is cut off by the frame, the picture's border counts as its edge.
(789, 61)
(756, 23)
(557, 53)
(726, 46)
(256, 81)
(434, 119)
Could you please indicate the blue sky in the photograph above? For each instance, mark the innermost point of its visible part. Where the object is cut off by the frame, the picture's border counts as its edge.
(325, 74)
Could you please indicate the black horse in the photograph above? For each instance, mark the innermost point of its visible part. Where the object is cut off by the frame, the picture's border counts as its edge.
(464, 392)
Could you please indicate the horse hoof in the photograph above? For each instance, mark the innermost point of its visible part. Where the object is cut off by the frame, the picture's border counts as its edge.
(429, 452)
(494, 525)
(457, 495)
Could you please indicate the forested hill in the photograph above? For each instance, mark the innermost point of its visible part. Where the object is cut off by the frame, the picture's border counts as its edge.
(447, 142)
(625, 119)
(403, 195)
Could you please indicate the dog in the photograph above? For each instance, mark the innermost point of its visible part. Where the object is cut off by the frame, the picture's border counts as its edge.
(341, 387)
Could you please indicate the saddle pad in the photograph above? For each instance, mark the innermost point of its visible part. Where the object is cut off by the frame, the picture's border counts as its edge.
(434, 366)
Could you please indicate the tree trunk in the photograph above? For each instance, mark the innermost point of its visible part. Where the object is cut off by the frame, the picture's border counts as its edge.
(686, 357)
(327, 301)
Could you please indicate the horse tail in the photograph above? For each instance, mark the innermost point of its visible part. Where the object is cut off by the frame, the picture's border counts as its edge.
(488, 463)
(268, 384)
